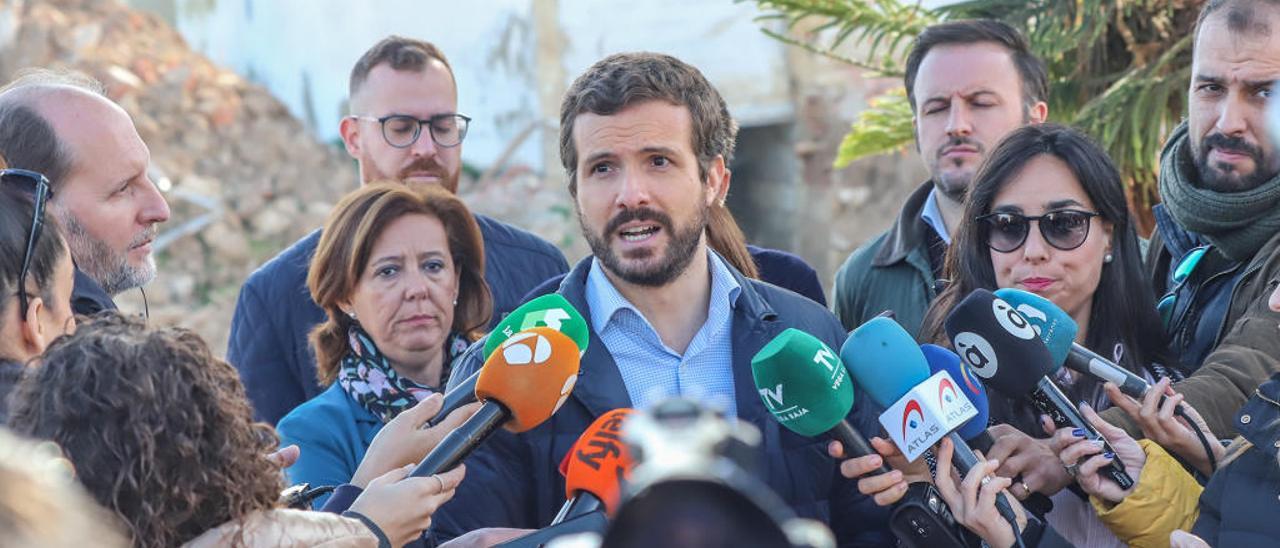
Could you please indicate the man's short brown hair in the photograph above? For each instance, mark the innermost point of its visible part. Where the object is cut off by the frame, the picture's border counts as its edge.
(406, 54)
(623, 79)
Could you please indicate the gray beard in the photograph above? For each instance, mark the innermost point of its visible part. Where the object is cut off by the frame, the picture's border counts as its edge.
(95, 258)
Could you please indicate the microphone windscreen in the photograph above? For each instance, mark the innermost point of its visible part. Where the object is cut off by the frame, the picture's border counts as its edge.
(997, 343)
(599, 462)
(551, 310)
(1054, 325)
(884, 359)
(531, 374)
(803, 383)
(942, 359)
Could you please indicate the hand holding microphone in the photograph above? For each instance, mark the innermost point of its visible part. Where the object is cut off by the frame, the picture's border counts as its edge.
(806, 386)
(1087, 457)
(406, 439)
(972, 501)
(1186, 435)
(1001, 346)
(887, 364)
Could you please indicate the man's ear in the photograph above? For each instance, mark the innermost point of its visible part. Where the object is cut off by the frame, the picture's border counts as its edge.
(718, 176)
(1039, 113)
(34, 337)
(349, 128)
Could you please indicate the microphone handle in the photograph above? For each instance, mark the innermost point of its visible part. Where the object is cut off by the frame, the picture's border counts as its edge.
(459, 443)
(854, 444)
(1085, 361)
(583, 502)
(964, 459)
(461, 395)
(1050, 400)
(593, 522)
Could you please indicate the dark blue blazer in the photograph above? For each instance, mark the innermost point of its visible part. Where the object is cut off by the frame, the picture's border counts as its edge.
(513, 481)
(275, 313)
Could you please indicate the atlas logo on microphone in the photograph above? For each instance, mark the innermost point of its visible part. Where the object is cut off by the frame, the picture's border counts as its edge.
(977, 353)
(1012, 321)
(949, 400)
(912, 418)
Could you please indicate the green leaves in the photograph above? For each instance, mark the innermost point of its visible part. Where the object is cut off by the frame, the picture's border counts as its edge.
(885, 126)
(1118, 69)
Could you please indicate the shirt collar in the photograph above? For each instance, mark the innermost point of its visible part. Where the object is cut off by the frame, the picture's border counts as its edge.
(605, 300)
(932, 214)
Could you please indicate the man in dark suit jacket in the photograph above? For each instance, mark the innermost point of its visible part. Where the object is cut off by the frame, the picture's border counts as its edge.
(403, 126)
(645, 140)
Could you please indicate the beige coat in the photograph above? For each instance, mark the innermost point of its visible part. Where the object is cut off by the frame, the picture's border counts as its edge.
(290, 528)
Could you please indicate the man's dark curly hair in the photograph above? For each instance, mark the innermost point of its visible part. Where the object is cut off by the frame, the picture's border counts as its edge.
(159, 430)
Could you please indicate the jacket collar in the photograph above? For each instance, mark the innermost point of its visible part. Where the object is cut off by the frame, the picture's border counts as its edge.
(600, 387)
(1259, 419)
(908, 232)
(1177, 240)
(87, 297)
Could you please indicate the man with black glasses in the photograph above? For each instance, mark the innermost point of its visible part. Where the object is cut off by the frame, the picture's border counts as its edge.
(403, 125)
(61, 125)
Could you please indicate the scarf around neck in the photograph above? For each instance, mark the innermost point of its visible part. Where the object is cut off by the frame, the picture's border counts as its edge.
(1238, 223)
(368, 377)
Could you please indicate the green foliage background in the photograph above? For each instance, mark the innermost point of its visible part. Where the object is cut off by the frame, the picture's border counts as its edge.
(1118, 69)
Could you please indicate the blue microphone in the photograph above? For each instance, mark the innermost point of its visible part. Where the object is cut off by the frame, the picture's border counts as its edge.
(1058, 331)
(886, 363)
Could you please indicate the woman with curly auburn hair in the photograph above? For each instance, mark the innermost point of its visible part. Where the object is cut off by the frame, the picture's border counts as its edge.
(160, 433)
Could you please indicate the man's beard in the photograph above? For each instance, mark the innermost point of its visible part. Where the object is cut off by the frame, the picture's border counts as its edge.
(97, 260)
(676, 257)
(954, 185)
(1223, 177)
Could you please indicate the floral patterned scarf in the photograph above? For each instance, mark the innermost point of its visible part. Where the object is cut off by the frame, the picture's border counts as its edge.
(367, 376)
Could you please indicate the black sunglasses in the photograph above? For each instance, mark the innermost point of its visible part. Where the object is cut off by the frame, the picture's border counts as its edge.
(38, 186)
(1066, 229)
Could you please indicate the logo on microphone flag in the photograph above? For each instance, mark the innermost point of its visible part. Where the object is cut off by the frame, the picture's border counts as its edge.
(926, 413)
(526, 348)
(913, 408)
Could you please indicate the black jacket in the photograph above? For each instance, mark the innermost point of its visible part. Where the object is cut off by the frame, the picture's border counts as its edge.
(1241, 504)
(87, 297)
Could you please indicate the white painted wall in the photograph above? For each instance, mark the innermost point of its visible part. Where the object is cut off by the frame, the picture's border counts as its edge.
(302, 50)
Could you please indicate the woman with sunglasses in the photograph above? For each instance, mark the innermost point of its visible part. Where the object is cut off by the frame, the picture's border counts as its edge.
(1047, 214)
(36, 277)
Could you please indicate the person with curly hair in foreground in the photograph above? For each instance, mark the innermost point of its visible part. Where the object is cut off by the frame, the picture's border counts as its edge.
(160, 433)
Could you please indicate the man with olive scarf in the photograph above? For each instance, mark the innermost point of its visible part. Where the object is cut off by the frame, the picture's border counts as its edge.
(1215, 254)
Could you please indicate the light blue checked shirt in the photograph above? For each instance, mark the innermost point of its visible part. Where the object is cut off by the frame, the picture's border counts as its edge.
(650, 369)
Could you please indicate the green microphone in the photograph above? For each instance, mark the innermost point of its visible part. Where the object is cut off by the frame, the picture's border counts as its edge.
(807, 388)
(551, 310)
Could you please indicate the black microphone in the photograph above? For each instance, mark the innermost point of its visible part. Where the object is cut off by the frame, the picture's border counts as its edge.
(460, 395)
(1000, 345)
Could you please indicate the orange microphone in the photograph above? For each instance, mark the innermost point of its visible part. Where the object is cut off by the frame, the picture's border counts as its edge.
(522, 384)
(593, 469)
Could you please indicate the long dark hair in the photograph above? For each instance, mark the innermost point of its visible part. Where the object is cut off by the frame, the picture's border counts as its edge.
(16, 209)
(1123, 310)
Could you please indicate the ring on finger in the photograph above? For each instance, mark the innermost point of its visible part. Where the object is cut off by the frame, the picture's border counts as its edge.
(440, 481)
(1026, 491)
(1072, 469)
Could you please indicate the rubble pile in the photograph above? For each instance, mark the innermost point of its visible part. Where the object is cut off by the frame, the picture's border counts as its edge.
(242, 176)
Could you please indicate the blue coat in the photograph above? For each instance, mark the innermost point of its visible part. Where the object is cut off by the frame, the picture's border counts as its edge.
(333, 432)
(275, 313)
(1241, 504)
(513, 481)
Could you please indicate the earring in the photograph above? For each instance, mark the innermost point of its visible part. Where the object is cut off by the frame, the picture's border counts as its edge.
(1107, 258)
(351, 315)
(455, 301)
